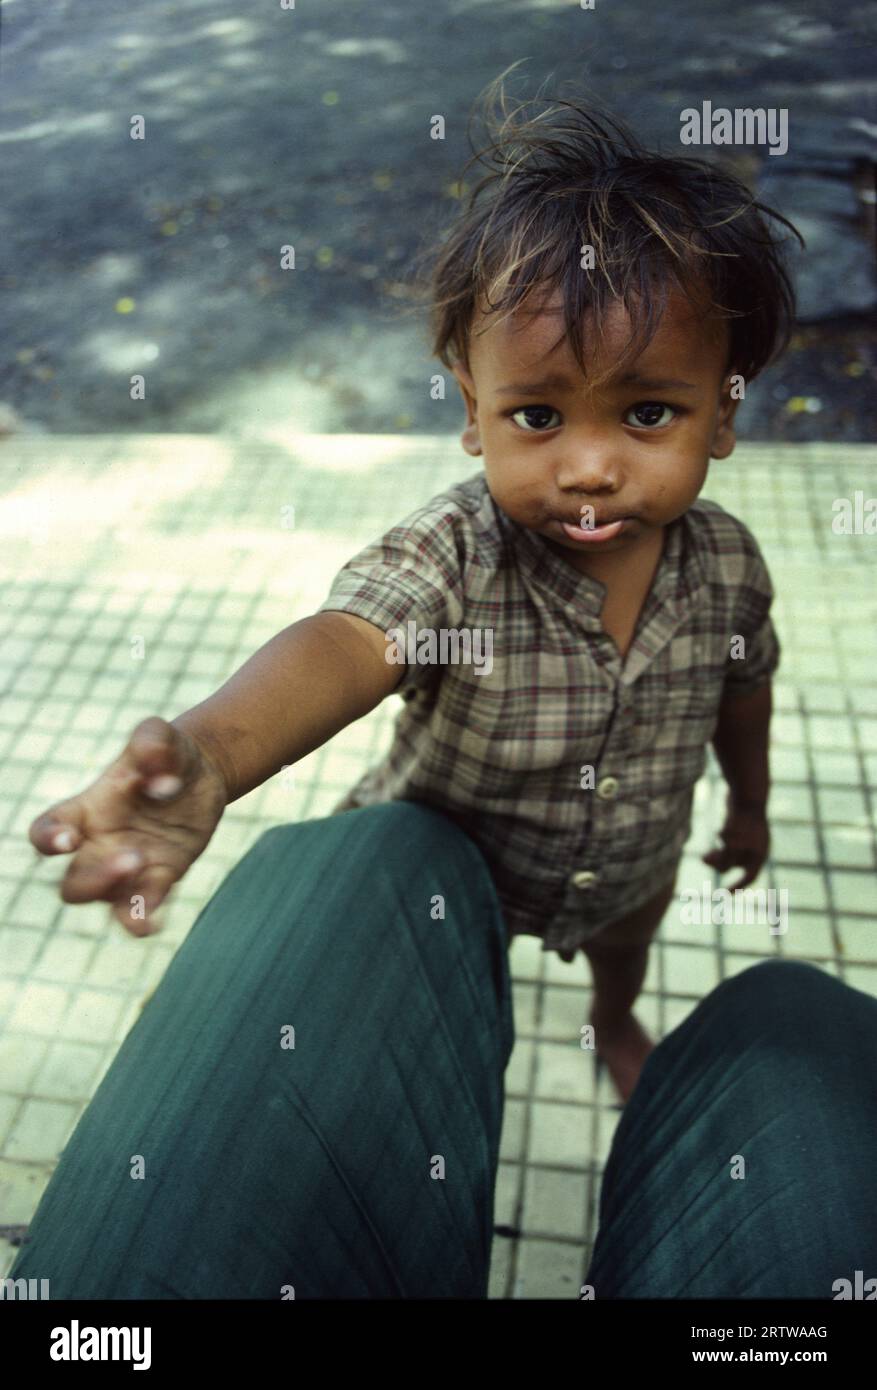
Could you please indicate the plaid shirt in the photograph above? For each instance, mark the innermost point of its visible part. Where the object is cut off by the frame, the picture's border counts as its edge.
(505, 754)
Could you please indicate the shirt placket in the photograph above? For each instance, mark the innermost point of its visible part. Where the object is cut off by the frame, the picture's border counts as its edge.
(587, 890)
(585, 887)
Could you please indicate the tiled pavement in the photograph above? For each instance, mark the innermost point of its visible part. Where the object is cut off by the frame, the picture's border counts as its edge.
(204, 548)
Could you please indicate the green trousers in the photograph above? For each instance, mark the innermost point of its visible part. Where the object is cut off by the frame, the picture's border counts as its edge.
(312, 1102)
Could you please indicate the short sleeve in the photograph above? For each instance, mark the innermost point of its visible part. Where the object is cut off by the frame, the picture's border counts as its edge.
(752, 661)
(411, 579)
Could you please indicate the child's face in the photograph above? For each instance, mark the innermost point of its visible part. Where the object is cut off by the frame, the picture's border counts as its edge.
(636, 449)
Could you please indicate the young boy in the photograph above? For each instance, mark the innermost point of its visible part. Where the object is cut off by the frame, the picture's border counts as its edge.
(602, 310)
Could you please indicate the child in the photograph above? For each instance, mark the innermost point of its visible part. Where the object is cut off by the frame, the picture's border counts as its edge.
(602, 309)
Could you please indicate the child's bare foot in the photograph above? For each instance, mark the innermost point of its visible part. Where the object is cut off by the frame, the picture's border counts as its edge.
(623, 1044)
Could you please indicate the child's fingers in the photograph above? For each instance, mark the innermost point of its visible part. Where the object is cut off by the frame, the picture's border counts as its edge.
(161, 756)
(721, 859)
(741, 883)
(751, 864)
(729, 858)
(135, 908)
(58, 830)
(92, 876)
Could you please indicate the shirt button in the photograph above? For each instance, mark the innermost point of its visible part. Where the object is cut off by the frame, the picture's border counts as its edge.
(585, 878)
(607, 788)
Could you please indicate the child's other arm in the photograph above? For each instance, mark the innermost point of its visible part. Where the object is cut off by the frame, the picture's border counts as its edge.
(741, 742)
(308, 682)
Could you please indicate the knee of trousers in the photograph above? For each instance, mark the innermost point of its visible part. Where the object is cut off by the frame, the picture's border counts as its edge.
(788, 999)
(416, 844)
(790, 1027)
(774, 978)
(773, 986)
(407, 827)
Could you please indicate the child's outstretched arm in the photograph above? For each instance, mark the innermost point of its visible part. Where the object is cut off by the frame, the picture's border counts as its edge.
(137, 829)
(741, 741)
(297, 691)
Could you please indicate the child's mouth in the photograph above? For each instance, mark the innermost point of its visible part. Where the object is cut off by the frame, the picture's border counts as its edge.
(593, 534)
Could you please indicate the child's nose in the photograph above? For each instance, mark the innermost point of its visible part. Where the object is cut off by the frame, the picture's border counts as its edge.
(592, 466)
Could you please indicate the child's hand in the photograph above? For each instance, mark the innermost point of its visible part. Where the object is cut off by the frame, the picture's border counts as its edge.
(746, 840)
(128, 841)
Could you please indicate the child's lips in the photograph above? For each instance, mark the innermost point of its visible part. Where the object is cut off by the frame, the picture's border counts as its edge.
(592, 534)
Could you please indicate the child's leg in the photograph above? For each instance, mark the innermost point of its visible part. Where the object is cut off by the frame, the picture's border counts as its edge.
(618, 957)
(353, 1158)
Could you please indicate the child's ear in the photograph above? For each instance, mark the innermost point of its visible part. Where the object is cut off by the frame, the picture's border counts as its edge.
(470, 438)
(725, 436)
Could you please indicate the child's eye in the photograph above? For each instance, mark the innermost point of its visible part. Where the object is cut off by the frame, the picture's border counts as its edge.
(649, 414)
(538, 418)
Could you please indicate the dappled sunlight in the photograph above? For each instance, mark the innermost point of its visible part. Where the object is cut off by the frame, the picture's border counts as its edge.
(113, 351)
(391, 50)
(279, 515)
(65, 503)
(332, 379)
(265, 127)
(341, 453)
(113, 268)
(63, 127)
(233, 30)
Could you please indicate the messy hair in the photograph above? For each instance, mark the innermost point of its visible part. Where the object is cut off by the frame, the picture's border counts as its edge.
(564, 175)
